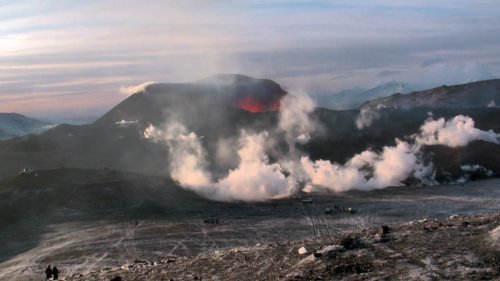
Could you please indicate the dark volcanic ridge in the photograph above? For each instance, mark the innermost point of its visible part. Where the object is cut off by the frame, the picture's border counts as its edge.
(183, 100)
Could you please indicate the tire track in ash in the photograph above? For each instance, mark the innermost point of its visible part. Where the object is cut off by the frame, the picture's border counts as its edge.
(28, 262)
(321, 218)
(179, 243)
(307, 217)
(206, 236)
(314, 217)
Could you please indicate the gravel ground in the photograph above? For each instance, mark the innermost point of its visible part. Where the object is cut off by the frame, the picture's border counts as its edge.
(460, 247)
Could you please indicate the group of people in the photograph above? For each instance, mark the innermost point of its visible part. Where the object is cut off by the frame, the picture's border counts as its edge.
(52, 272)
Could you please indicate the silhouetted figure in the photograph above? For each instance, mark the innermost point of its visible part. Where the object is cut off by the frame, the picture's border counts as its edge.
(48, 272)
(55, 272)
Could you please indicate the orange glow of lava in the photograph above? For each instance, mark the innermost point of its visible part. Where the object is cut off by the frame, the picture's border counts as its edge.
(253, 105)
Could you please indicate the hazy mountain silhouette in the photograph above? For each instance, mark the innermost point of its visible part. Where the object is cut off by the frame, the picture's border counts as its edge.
(15, 125)
(475, 94)
(353, 98)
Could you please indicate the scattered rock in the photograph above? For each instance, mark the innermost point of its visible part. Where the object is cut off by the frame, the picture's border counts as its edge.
(303, 251)
(299, 274)
(495, 236)
(383, 230)
(308, 259)
(350, 243)
(330, 251)
(453, 253)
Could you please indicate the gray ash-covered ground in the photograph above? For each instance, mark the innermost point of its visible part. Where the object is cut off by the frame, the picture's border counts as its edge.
(457, 248)
(79, 244)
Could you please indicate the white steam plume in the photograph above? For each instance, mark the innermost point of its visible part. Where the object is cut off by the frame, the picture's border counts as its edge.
(255, 179)
(186, 155)
(455, 132)
(303, 138)
(366, 117)
(295, 118)
(135, 88)
(369, 170)
(296, 121)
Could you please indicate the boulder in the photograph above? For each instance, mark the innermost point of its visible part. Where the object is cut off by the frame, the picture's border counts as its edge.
(303, 251)
(383, 230)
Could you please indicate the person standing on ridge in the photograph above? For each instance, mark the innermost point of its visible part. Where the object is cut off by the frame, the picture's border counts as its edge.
(48, 272)
(55, 272)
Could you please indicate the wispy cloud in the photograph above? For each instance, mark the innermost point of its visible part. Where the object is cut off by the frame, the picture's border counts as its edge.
(305, 43)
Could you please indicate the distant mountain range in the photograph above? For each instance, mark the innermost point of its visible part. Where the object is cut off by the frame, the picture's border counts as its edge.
(353, 98)
(16, 125)
(475, 94)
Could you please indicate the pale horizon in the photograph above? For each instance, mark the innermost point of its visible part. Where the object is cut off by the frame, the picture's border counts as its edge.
(70, 60)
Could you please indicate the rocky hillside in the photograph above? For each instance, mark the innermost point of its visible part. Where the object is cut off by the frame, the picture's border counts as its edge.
(476, 94)
(458, 248)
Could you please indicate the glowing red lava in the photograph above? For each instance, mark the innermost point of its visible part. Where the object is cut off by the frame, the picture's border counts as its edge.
(253, 105)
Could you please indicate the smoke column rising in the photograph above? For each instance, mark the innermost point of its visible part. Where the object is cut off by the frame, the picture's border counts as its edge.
(255, 179)
(295, 118)
(186, 154)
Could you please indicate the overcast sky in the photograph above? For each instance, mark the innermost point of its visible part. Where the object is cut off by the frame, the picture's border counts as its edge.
(70, 58)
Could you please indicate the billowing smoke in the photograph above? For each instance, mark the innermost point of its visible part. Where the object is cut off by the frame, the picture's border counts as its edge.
(295, 118)
(303, 138)
(366, 117)
(458, 131)
(256, 178)
(186, 154)
(369, 170)
(477, 169)
(135, 88)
